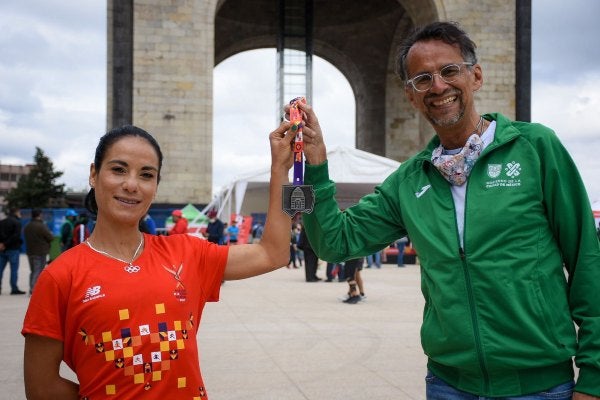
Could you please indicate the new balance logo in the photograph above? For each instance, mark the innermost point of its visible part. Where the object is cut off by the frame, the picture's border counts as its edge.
(422, 191)
(93, 293)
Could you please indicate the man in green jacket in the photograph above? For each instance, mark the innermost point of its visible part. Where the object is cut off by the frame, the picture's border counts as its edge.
(498, 213)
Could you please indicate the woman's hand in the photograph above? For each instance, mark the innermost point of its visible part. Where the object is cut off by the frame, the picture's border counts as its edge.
(281, 140)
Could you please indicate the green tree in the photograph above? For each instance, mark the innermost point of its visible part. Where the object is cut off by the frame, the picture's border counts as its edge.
(38, 188)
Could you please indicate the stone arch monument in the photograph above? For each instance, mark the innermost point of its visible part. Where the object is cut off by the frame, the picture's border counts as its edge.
(161, 57)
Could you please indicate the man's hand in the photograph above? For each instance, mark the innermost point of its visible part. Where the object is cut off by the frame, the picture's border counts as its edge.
(314, 146)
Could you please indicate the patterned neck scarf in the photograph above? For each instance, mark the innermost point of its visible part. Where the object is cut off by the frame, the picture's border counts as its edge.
(457, 167)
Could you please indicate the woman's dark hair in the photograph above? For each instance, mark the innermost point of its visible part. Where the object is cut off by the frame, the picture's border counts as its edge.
(448, 32)
(106, 141)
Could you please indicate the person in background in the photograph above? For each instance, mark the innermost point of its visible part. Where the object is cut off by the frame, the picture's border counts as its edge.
(147, 225)
(374, 259)
(257, 231)
(401, 246)
(311, 261)
(123, 311)
(180, 223)
(38, 239)
(81, 231)
(297, 231)
(66, 230)
(352, 270)
(214, 229)
(498, 213)
(10, 248)
(299, 251)
(293, 248)
(233, 232)
(225, 237)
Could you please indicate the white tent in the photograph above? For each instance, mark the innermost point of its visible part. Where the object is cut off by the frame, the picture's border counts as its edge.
(355, 173)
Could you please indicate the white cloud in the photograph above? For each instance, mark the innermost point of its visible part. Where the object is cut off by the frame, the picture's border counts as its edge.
(586, 153)
(53, 87)
(570, 109)
(563, 39)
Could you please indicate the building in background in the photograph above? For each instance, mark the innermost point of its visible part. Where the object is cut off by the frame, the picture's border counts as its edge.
(160, 62)
(9, 178)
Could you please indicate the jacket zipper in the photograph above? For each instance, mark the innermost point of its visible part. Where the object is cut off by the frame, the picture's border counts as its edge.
(474, 319)
(475, 322)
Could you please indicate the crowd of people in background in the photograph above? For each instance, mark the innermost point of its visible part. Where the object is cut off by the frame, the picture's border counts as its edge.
(77, 227)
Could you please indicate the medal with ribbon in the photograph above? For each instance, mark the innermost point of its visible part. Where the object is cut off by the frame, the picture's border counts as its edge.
(297, 197)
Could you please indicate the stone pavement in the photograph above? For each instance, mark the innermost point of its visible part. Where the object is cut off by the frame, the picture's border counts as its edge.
(278, 337)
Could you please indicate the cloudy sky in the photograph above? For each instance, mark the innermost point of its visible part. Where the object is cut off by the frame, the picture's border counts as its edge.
(53, 89)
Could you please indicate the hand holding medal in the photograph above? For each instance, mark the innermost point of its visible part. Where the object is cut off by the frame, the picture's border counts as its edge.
(297, 197)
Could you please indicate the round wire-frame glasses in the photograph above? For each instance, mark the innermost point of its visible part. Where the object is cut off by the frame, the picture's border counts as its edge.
(449, 73)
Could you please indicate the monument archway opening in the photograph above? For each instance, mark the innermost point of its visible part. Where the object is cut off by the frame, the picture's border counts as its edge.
(245, 111)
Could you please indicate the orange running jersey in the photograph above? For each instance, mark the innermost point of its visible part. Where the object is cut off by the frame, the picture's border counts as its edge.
(129, 331)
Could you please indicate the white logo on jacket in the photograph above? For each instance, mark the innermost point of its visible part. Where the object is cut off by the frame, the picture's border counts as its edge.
(494, 170)
(507, 177)
(422, 191)
(513, 169)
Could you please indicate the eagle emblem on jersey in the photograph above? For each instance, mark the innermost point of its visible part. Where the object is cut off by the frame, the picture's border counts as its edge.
(179, 292)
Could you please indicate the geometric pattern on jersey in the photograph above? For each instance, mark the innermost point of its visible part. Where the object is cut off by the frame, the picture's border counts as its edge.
(162, 343)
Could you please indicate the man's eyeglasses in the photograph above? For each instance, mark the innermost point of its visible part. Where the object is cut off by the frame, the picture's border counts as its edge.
(450, 73)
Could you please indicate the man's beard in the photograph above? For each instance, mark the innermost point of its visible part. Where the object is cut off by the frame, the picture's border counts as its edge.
(446, 122)
(450, 120)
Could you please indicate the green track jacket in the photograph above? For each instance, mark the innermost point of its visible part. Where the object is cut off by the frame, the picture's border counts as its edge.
(499, 312)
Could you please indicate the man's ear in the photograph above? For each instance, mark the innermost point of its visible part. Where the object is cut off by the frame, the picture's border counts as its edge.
(477, 77)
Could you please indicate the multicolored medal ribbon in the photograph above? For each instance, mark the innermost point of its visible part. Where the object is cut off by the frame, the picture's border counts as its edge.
(298, 197)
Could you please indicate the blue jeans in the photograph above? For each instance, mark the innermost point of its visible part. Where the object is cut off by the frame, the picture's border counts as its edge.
(437, 389)
(36, 265)
(374, 259)
(400, 259)
(12, 257)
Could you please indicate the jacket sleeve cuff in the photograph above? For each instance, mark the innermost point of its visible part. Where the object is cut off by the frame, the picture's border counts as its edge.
(316, 174)
(588, 381)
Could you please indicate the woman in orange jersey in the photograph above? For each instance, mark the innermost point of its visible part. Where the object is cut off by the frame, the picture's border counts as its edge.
(122, 308)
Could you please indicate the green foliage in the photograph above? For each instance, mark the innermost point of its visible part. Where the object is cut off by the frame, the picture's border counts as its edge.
(37, 189)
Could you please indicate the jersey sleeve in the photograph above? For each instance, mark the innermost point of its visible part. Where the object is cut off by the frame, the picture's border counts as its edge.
(47, 308)
(211, 263)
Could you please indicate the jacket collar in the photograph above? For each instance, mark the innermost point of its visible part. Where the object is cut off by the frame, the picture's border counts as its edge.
(505, 132)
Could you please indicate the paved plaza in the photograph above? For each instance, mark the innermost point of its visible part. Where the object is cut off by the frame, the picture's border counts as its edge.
(278, 337)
